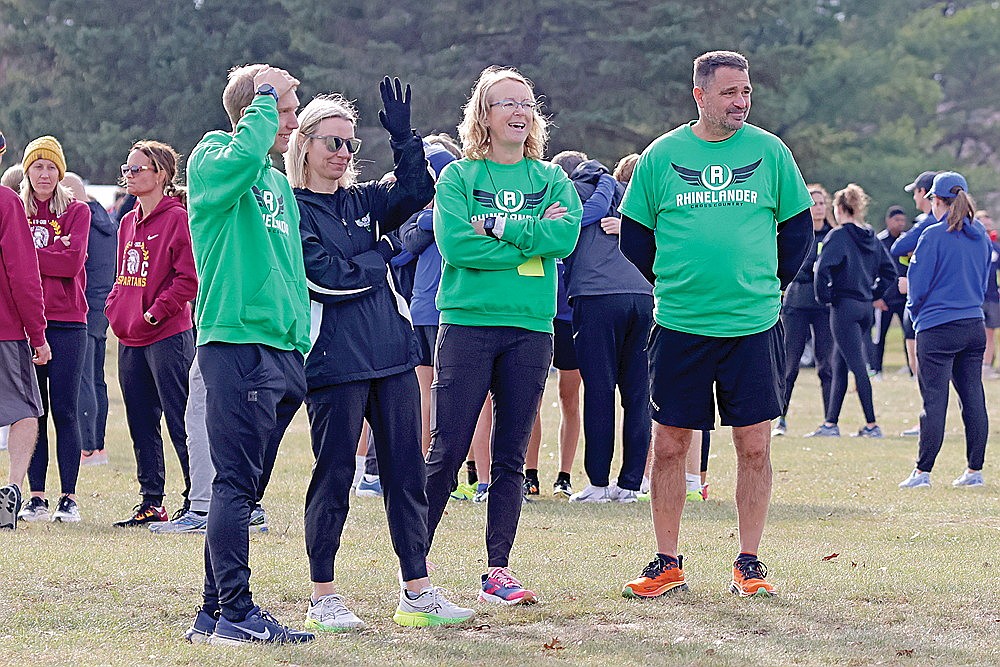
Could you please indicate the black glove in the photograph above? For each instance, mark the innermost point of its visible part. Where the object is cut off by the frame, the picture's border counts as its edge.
(395, 117)
(388, 247)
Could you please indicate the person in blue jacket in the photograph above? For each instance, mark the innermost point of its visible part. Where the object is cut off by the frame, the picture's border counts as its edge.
(852, 271)
(363, 350)
(946, 288)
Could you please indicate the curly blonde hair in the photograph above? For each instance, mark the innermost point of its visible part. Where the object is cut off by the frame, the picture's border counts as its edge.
(319, 109)
(473, 130)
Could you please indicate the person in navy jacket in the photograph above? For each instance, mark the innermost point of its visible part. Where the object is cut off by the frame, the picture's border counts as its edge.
(946, 288)
(363, 348)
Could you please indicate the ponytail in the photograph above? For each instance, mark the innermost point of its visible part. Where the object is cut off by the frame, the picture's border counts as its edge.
(960, 208)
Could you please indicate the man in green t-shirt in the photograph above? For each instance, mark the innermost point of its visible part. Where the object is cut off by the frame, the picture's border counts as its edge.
(717, 218)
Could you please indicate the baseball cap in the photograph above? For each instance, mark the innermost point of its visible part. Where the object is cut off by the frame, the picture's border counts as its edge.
(923, 181)
(947, 184)
(895, 210)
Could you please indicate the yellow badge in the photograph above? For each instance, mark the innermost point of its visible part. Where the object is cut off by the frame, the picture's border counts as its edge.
(533, 267)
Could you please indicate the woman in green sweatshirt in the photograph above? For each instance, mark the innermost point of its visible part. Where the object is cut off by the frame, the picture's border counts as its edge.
(501, 218)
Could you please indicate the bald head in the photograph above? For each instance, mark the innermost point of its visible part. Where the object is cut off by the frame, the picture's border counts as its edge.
(75, 183)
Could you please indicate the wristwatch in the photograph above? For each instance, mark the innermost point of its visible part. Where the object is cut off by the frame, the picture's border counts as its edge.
(267, 89)
(488, 226)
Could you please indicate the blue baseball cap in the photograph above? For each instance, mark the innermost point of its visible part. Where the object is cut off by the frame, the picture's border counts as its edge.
(947, 184)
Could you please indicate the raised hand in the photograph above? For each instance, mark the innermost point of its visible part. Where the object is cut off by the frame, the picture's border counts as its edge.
(395, 116)
(279, 78)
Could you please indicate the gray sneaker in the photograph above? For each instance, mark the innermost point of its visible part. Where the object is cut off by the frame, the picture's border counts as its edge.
(824, 431)
(973, 478)
(330, 614)
(781, 428)
(916, 480)
(912, 432)
(37, 509)
(869, 432)
(258, 520)
(10, 505)
(184, 521)
(428, 609)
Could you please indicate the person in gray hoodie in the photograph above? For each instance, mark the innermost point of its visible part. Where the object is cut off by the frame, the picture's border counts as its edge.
(853, 270)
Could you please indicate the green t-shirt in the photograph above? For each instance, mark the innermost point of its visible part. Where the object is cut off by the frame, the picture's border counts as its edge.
(510, 281)
(714, 209)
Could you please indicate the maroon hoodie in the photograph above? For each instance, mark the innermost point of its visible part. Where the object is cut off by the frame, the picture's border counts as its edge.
(21, 303)
(63, 277)
(155, 274)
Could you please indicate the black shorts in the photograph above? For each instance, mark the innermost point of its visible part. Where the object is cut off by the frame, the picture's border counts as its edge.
(19, 395)
(427, 335)
(991, 311)
(689, 374)
(563, 350)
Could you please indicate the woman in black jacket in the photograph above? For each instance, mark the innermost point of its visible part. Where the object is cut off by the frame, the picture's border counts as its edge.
(801, 312)
(853, 270)
(364, 351)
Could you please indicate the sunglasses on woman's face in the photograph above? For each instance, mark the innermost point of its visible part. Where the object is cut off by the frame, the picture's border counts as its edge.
(334, 144)
(135, 169)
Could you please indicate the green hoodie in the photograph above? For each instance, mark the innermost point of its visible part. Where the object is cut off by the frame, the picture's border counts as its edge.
(510, 281)
(245, 233)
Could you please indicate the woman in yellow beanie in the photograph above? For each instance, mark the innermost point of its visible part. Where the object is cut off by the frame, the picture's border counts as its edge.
(60, 227)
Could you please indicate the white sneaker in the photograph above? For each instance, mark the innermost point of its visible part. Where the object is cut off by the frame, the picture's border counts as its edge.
(595, 494)
(67, 511)
(969, 479)
(644, 485)
(428, 609)
(626, 496)
(329, 614)
(916, 480)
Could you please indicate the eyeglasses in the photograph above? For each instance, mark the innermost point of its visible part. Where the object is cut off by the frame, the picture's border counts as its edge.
(334, 144)
(135, 169)
(510, 105)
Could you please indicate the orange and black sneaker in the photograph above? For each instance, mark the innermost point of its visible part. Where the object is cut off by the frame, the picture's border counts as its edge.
(748, 578)
(143, 514)
(661, 576)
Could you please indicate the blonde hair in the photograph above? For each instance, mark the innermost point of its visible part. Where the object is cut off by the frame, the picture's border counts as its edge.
(239, 91)
(961, 207)
(60, 201)
(473, 130)
(319, 109)
(853, 200)
(817, 189)
(625, 168)
(13, 176)
(165, 159)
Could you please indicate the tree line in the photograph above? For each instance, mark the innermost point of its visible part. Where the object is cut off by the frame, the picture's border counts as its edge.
(861, 91)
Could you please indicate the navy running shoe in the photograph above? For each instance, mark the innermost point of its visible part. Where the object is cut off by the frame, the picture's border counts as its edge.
(202, 628)
(258, 627)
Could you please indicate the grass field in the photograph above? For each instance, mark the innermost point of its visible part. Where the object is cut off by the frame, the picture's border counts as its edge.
(867, 573)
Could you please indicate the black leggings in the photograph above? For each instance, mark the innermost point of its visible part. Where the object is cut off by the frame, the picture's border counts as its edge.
(59, 383)
(850, 322)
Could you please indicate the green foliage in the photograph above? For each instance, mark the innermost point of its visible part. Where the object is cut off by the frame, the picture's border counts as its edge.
(861, 91)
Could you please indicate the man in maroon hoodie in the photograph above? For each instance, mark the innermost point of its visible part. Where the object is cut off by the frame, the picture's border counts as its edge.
(22, 324)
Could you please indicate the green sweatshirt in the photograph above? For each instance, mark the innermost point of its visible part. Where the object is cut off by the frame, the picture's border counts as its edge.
(510, 281)
(245, 232)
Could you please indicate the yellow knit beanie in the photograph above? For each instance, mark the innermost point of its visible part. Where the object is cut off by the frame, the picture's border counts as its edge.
(45, 148)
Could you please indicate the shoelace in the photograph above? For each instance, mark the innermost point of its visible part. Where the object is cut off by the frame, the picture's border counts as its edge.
(657, 567)
(505, 578)
(179, 513)
(751, 569)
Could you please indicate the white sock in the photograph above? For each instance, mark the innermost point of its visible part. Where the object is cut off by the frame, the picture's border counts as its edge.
(693, 481)
(359, 470)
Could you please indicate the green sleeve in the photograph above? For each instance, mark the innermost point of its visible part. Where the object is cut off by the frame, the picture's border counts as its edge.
(221, 172)
(542, 237)
(639, 202)
(793, 196)
(457, 240)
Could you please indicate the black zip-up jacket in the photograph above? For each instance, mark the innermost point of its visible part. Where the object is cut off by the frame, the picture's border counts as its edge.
(800, 292)
(853, 264)
(360, 326)
(102, 255)
(892, 297)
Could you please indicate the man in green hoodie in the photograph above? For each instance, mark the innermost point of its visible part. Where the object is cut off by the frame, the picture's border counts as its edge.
(253, 329)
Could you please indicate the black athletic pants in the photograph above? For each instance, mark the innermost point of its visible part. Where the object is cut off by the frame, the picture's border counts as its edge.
(883, 319)
(610, 333)
(93, 388)
(154, 381)
(392, 407)
(952, 352)
(797, 323)
(253, 391)
(850, 322)
(512, 364)
(59, 384)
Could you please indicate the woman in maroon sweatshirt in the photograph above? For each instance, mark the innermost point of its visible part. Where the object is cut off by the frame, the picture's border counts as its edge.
(60, 227)
(150, 312)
